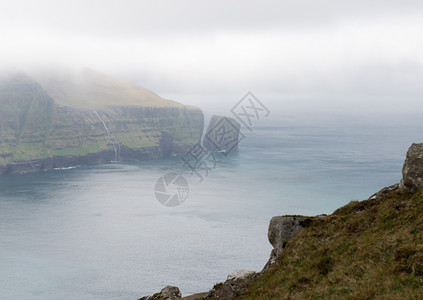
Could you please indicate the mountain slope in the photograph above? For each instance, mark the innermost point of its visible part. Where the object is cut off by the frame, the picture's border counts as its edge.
(92, 119)
(366, 250)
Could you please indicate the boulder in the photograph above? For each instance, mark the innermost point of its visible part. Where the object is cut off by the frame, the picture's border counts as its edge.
(384, 191)
(282, 229)
(239, 280)
(235, 284)
(412, 171)
(222, 291)
(167, 293)
(240, 275)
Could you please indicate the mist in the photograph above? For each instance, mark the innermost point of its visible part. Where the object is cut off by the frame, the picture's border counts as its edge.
(329, 56)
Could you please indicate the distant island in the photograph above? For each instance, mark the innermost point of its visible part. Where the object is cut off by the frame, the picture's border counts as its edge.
(59, 118)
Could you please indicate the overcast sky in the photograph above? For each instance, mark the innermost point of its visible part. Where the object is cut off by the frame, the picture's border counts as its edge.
(303, 48)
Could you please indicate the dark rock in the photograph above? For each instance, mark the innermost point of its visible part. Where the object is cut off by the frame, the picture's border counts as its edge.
(222, 291)
(167, 293)
(222, 134)
(235, 284)
(412, 171)
(171, 293)
(225, 291)
(384, 191)
(282, 229)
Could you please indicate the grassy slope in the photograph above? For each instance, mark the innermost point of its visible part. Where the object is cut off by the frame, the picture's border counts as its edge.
(365, 250)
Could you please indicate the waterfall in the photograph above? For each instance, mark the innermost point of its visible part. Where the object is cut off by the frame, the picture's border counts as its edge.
(116, 145)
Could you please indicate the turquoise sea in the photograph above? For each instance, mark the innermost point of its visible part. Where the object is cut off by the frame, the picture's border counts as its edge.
(99, 233)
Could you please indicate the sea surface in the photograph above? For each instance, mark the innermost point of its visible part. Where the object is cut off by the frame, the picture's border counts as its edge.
(99, 233)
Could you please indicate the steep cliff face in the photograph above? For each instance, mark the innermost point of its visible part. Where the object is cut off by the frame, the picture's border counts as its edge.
(41, 127)
(222, 134)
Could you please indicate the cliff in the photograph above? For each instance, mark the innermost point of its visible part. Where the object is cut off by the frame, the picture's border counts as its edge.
(61, 119)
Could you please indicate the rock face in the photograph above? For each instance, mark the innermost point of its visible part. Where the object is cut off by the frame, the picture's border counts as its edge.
(60, 122)
(412, 171)
(222, 291)
(222, 134)
(167, 293)
(282, 229)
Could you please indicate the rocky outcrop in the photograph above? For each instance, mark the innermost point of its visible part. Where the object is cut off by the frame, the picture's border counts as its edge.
(167, 293)
(45, 126)
(412, 171)
(222, 290)
(222, 134)
(385, 191)
(240, 275)
(235, 284)
(282, 229)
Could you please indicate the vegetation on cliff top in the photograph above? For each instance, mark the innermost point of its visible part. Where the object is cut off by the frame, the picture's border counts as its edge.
(366, 250)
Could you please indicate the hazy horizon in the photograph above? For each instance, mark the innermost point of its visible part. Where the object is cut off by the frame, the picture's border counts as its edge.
(327, 54)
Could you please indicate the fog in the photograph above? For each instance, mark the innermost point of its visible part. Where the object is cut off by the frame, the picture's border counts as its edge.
(362, 55)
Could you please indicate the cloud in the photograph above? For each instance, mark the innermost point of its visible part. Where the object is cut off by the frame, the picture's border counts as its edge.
(135, 17)
(312, 48)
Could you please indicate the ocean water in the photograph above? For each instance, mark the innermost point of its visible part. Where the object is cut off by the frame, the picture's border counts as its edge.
(99, 233)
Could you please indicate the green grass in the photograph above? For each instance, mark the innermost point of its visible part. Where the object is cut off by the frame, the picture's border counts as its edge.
(136, 140)
(80, 150)
(365, 250)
